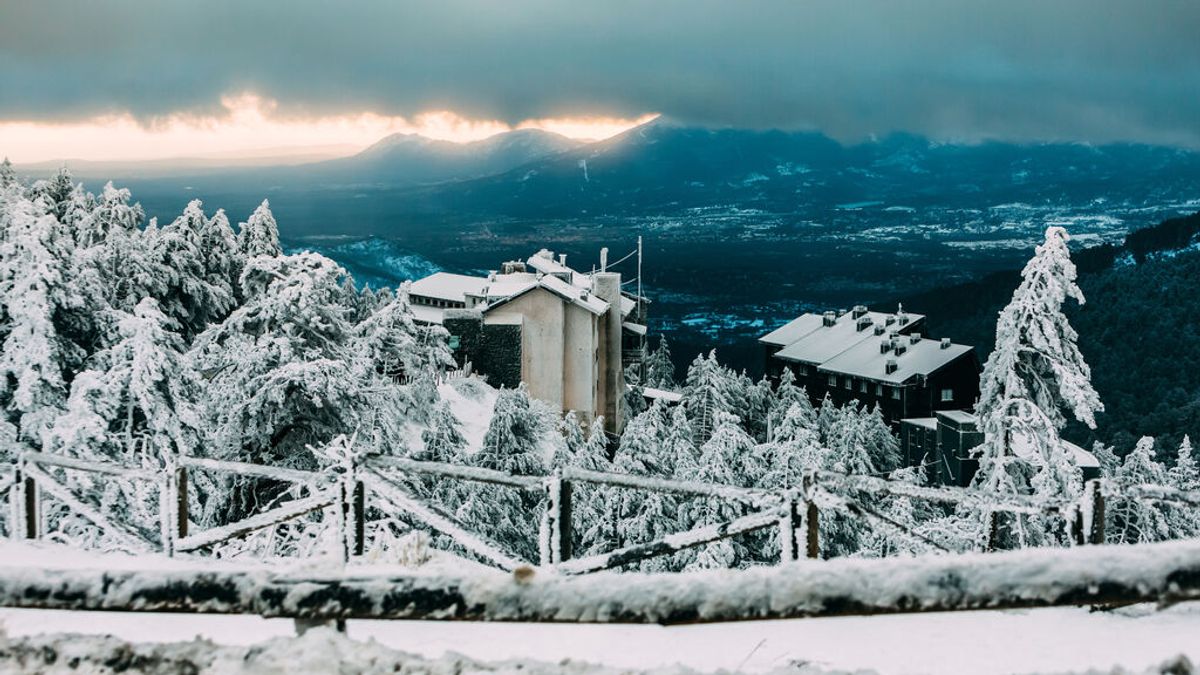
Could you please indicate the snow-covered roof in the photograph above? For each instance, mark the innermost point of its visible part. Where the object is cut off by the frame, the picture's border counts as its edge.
(506, 287)
(543, 261)
(447, 286)
(792, 330)
(427, 314)
(866, 360)
(668, 396)
(923, 422)
(632, 327)
(825, 342)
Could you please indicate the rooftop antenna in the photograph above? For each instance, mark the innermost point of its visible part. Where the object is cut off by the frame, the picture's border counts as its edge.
(639, 277)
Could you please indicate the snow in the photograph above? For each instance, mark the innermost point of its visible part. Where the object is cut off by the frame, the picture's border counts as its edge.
(826, 342)
(865, 359)
(472, 401)
(447, 286)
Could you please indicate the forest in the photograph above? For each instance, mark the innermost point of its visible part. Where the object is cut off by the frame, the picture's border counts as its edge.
(1137, 330)
(134, 342)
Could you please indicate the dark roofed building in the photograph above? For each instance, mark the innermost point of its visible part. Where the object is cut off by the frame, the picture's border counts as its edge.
(877, 359)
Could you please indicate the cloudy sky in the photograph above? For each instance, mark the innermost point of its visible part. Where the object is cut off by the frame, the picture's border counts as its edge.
(185, 76)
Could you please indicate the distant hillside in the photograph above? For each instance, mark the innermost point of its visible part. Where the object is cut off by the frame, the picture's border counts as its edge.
(1139, 330)
(665, 168)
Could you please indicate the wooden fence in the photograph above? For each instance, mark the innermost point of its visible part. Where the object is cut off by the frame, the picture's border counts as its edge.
(380, 481)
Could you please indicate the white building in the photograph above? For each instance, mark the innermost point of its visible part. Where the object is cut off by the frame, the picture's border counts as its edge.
(566, 334)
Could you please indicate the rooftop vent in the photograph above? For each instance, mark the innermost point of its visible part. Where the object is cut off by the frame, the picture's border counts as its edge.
(900, 349)
(491, 275)
(829, 319)
(841, 312)
(863, 323)
(890, 367)
(885, 346)
(890, 320)
(879, 329)
(859, 310)
(903, 319)
(945, 343)
(914, 338)
(562, 259)
(512, 267)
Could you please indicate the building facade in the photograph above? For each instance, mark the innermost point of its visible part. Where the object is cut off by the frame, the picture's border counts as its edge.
(567, 335)
(876, 359)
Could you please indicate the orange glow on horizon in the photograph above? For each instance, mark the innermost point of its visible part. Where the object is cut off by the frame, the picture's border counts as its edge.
(250, 127)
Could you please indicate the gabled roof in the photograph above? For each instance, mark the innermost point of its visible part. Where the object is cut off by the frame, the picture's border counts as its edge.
(929, 423)
(792, 330)
(866, 360)
(508, 287)
(447, 286)
(825, 342)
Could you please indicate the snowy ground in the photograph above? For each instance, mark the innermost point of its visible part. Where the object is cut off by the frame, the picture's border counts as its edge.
(1038, 641)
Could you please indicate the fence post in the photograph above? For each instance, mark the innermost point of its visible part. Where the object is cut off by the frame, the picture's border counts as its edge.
(991, 523)
(812, 518)
(25, 505)
(555, 544)
(181, 502)
(1096, 536)
(172, 506)
(789, 520)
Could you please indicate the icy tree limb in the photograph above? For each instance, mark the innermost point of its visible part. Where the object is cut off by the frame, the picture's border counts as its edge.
(1165, 573)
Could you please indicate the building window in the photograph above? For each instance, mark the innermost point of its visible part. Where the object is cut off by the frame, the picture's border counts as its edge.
(862, 386)
(896, 392)
(833, 380)
(879, 390)
(947, 395)
(453, 343)
(850, 383)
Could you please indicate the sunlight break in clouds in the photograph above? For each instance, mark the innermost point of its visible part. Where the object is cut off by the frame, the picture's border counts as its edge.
(251, 126)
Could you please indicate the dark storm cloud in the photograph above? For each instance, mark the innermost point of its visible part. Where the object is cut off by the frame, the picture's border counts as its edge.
(960, 69)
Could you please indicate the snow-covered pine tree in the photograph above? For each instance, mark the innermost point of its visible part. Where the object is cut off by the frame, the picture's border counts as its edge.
(1035, 373)
(112, 213)
(191, 298)
(512, 443)
(1109, 462)
(8, 175)
(37, 293)
(706, 395)
(1184, 519)
(259, 235)
(787, 394)
(282, 374)
(634, 402)
(660, 370)
(443, 439)
(1130, 520)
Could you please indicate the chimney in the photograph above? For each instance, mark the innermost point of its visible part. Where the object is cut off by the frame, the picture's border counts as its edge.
(863, 323)
(890, 367)
(900, 349)
(890, 320)
(491, 275)
(885, 346)
(914, 338)
(841, 312)
(829, 319)
(604, 261)
(562, 259)
(878, 329)
(945, 343)
(859, 310)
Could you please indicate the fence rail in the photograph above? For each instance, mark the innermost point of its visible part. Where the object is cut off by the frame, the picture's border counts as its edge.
(1098, 575)
(345, 489)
